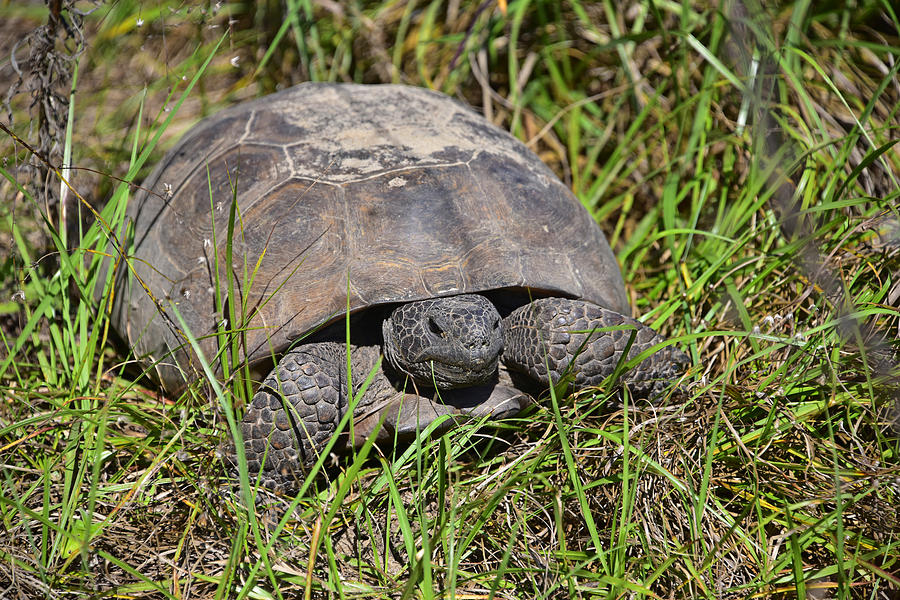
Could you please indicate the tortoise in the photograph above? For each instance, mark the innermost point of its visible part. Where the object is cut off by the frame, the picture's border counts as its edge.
(471, 276)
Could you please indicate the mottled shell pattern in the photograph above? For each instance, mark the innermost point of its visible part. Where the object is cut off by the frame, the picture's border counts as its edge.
(385, 193)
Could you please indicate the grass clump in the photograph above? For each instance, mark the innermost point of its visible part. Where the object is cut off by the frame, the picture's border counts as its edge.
(744, 165)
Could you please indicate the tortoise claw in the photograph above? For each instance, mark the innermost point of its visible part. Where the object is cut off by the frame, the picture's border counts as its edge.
(495, 401)
(410, 414)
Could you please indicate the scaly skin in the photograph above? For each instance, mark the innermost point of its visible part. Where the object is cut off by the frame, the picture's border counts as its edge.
(299, 406)
(566, 334)
(452, 344)
(447, 342)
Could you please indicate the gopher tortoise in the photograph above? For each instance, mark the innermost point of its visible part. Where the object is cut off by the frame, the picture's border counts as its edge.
(461, 260)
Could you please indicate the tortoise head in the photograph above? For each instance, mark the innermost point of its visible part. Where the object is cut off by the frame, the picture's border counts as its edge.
(445, 342)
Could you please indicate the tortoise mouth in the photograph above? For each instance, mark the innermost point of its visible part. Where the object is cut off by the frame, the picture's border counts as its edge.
(448, 376)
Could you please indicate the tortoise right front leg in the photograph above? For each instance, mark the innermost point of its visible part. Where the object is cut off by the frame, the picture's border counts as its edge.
(565, 335)
(298, 407)
(295, 412)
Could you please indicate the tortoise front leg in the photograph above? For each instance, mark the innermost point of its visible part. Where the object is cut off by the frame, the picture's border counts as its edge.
(409, 414)
(565, 333)
(299, 405)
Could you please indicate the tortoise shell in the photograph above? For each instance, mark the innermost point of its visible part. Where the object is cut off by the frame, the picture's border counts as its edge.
(347, 195)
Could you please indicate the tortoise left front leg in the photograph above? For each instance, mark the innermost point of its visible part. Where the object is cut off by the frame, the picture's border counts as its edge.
(564, 333)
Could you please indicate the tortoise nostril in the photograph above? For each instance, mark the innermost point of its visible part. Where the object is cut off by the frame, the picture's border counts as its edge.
(481, 342)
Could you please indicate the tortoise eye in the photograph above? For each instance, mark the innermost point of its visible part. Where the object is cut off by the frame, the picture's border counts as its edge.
(433, 327)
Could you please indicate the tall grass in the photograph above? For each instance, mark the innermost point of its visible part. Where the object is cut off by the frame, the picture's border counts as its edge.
(772, 258)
